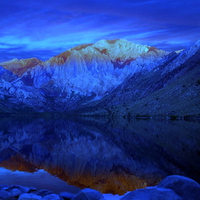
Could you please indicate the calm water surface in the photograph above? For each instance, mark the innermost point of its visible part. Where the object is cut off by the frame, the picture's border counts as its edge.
(112, 156)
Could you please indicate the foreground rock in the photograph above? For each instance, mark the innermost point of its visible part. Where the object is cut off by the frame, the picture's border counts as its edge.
(15, 192)
(183, 186)
(88, 194)
(171, 188)
(152, 194)
(3, 194)
(51, 196)
(28, 196)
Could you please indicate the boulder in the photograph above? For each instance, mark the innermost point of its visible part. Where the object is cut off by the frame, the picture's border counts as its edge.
(51, 197)
(4, 187)
(3, 194)
(28, 196)
(88, 194)
(67, 195)
(44, 192)
(152, 194)
(14, 192)
(31, 189)
(23, 189)
(185, 187)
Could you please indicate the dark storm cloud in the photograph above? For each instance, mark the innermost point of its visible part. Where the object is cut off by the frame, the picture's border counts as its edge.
(46, 26)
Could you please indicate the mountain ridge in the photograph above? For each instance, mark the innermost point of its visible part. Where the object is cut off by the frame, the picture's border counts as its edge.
(148, 96)
(93, 76)
(18, 67)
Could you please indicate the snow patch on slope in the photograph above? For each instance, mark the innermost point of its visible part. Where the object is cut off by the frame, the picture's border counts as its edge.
(183, 56)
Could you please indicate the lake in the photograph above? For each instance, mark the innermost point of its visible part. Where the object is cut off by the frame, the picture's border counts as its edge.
(109, 155)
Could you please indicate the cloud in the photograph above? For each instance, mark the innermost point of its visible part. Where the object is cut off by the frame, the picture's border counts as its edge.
(37, 26)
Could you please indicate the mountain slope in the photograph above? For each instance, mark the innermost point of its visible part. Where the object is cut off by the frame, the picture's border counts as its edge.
(79, 75)
(96, 68)
(15, 96)
(110, 77)
(172, 89)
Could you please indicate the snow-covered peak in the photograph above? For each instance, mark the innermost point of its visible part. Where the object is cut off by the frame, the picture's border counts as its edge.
(120, 49)
(96, 68)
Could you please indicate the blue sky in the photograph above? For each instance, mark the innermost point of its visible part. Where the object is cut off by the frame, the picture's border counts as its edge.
(45, 28)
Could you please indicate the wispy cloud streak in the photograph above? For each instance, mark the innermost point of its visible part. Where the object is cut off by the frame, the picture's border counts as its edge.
(52, 26)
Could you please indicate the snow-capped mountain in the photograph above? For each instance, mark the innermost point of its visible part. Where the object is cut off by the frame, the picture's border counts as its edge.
(94, 69)
(171, 89)
(83, 73)
(89, 73)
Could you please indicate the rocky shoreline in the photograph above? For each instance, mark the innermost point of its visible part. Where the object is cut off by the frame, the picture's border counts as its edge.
(171, 188)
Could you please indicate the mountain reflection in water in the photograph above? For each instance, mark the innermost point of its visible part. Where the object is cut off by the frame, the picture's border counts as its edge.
(112, 156)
